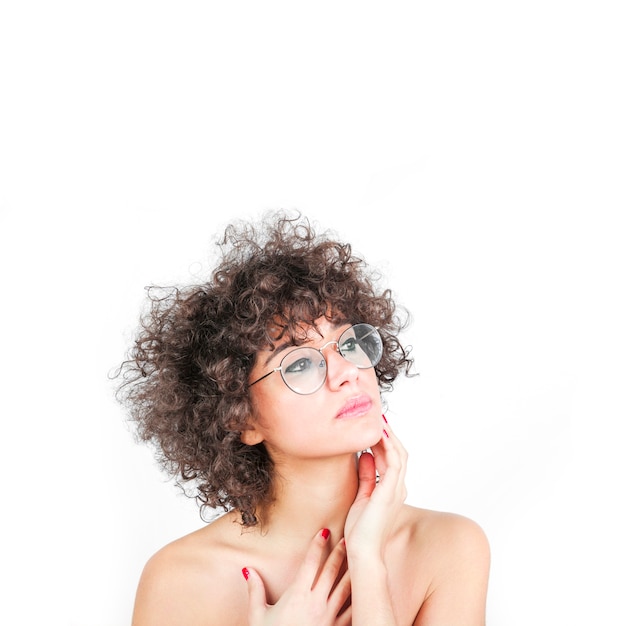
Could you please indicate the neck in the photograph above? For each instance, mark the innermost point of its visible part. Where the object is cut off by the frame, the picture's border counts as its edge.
(318, 494)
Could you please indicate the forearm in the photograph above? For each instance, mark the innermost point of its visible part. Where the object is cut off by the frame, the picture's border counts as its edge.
(371, 597)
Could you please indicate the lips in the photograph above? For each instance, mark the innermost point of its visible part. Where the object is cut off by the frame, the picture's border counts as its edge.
(355, 407)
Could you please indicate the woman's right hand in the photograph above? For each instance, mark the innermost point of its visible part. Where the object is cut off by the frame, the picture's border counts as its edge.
(314, 598)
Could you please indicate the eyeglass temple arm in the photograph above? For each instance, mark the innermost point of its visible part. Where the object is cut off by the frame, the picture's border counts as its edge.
(258, 380)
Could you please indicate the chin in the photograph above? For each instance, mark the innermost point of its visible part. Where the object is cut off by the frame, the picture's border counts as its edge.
(371, 436)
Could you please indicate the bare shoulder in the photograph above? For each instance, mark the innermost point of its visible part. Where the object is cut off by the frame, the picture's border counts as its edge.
(452, 534)
(193, 581)
(450, 560)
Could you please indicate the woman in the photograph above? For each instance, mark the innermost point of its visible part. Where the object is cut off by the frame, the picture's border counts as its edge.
(262, 387)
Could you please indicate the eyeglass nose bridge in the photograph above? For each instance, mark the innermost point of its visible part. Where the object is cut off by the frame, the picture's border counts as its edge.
(337, 350)
(330, 343)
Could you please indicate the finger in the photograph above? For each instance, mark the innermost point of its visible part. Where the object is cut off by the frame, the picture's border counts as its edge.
(307, 572)
(345, 619)
(340, 593)
(391, 440)
(367, 476)
(331, 568)
(383, 452)
(391, 460)
(389, 449)
(383, 446)
(257, 601)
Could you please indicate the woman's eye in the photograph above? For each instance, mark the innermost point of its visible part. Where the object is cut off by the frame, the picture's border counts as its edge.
(301, 365)
(349, 345)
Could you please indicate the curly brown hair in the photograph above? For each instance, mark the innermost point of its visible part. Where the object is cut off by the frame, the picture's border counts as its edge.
(185, 381)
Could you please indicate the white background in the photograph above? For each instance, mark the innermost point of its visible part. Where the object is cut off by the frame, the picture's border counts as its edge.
(474, 151)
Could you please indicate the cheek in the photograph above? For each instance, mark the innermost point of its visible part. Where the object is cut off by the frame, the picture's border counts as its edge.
(370, 381)
(273, 410)
(293, 423)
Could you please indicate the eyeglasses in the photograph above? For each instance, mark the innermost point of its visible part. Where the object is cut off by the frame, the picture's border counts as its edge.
(304, 369)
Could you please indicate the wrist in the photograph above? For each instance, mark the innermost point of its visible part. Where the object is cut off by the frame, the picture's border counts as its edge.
(368, 554)
(371, 596)
(369, 562)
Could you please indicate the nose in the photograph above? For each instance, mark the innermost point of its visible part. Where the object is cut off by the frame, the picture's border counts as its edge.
(338, 369)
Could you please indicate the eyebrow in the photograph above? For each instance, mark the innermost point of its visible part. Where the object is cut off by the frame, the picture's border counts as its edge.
(288, 344)
(277, 350)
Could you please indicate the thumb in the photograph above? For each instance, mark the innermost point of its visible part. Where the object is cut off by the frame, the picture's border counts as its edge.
(257, 603)
(367, 476)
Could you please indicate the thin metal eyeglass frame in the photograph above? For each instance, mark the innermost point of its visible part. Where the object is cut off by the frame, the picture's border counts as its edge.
(280, 368)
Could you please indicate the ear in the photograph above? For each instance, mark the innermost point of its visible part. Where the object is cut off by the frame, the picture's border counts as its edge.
(251, 436)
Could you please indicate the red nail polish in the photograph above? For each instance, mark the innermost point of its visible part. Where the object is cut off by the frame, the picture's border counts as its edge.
(245, 573)
(386, 422)
(325, 533)
(386, 433)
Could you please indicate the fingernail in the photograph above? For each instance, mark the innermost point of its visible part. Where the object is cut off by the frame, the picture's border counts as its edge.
(245, 573)
(386, 433)
(386, 422)
(325, 533)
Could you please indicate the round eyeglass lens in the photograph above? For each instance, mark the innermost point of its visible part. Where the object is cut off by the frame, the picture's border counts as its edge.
(362, 345)
(304, 369)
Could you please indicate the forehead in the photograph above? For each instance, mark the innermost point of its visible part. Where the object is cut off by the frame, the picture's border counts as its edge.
(286, 336)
